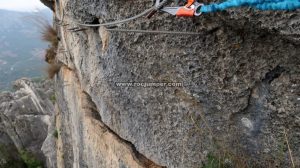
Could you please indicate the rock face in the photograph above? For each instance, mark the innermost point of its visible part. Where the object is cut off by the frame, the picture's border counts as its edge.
(85, 141)
(25, 117)
(239, 102)
(49, 3)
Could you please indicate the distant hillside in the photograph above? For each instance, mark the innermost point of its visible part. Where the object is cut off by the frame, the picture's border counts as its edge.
(21, 50)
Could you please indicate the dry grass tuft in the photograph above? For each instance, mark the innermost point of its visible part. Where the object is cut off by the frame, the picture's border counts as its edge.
(53, 69)
(50, 55)
(49, 34)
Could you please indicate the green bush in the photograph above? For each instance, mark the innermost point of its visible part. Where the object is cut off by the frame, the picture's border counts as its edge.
(55, 134)
(30, 160)
(38, 79)
(8, 159)
(53, 98)
(212, 162)
(221, 162)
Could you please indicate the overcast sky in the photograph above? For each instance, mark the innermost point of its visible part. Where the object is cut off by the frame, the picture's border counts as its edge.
(21, 5)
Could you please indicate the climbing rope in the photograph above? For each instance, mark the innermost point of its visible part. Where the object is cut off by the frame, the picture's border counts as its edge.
(258, 4)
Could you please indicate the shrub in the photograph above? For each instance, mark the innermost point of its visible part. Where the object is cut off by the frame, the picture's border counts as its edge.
(30, 160)
(53, 98)
(8, 157)
(53, 69)
(49, 34)
(37, 79)
(224, 161)
(212, 162)
(55, 133)
(50, 55)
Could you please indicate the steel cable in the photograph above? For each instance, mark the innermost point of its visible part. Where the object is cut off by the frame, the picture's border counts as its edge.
(125, 20)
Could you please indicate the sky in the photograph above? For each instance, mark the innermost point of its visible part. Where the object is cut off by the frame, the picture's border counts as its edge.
(21, 5)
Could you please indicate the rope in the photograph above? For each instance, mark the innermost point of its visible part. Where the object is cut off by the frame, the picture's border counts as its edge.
(124, 20)
(258, 4)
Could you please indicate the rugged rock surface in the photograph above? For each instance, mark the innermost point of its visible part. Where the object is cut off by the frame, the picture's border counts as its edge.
(49, 3)
(85, 141)
(241, 89)
(9, 155)
(25, 117)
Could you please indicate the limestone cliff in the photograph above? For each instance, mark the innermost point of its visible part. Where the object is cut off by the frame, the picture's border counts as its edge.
(239, 103)
(26, 125)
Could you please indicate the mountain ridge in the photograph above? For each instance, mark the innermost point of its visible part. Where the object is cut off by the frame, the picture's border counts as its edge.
(21, 49)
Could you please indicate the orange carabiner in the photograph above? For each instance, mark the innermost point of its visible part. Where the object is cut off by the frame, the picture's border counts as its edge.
(189, 3)
(185, 12)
